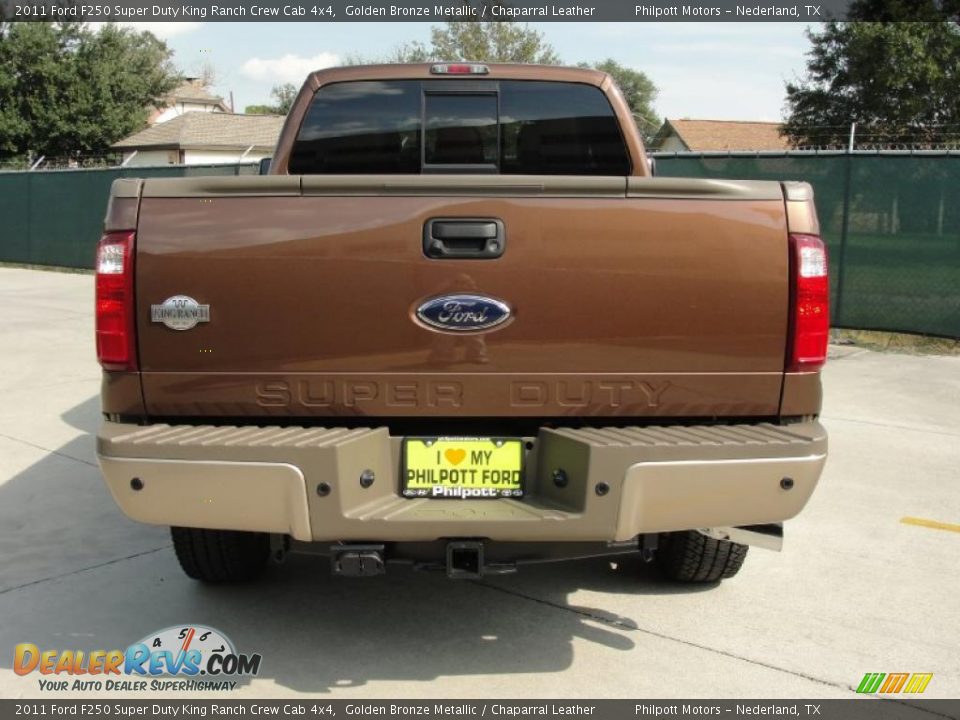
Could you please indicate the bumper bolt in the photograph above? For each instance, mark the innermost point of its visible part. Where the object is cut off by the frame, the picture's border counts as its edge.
(560, 478)
(323, 489)
(366, 478)
(136, 484)
(786, 483)
(602, 489)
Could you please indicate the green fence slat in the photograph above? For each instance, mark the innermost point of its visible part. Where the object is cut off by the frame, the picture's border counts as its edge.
(55, 217)
(902, 258)
(901, 262)
(14, 218)
(66, 216)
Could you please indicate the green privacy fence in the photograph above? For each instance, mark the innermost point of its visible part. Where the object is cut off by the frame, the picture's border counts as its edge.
(55, 217)
(891, 221)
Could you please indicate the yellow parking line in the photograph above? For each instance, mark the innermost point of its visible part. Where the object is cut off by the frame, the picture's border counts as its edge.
(932, 524)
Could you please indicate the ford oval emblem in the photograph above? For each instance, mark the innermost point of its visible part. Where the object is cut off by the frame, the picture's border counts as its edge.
(463, 313)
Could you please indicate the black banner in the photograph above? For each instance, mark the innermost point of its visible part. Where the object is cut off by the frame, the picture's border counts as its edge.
(805, 11)
(851, 709)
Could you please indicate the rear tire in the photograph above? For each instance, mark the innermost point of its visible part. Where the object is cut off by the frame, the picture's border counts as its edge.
(221, 556)
(695, 558)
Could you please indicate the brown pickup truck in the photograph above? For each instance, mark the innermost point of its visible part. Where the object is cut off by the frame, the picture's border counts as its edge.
(459, 324)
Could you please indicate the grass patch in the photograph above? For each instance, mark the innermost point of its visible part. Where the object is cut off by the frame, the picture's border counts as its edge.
(895, 342)
(48, 268)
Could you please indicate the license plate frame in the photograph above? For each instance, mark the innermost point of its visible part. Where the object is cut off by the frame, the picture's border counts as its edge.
(462, 486)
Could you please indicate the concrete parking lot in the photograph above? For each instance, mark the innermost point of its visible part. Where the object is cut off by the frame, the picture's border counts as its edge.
(856, 590)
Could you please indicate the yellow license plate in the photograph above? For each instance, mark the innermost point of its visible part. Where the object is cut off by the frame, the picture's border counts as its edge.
(465, 468)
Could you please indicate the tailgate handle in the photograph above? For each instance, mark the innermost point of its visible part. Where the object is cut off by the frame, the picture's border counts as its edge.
(463, 238)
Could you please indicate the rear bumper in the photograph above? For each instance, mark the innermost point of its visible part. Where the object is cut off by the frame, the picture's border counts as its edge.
(656, 479)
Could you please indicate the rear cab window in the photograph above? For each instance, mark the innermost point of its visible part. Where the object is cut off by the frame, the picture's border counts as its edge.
(511, 127)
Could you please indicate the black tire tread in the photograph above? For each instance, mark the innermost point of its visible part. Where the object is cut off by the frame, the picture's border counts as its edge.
(692, 557)
(220, 556)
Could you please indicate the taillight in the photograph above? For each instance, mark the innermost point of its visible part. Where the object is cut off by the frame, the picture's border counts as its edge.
(809, 304)
(116, 329)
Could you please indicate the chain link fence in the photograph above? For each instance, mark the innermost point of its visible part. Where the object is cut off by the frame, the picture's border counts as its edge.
(891, 221)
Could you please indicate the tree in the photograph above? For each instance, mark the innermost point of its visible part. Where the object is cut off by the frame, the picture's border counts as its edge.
(491, 42)
(904, 10)
(414, 52)
(898, 81)
(66, 90)
(474, 40)
(283, 97)
(638, 90)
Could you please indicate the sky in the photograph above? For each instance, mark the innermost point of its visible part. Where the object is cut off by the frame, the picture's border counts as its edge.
(726, 71)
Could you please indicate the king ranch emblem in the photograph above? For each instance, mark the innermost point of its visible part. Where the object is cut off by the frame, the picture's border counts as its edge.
(180, 312)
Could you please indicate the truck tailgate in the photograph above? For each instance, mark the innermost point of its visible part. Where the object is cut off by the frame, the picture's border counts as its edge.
(655, 297)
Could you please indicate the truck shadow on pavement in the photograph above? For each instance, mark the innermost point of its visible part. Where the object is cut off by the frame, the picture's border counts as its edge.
(78, 575)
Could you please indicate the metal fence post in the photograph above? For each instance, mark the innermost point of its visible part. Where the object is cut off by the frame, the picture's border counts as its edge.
(29, 183)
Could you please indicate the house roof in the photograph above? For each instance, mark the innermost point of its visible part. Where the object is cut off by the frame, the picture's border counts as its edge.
(193, 90)
(207, 130)
(705, 135)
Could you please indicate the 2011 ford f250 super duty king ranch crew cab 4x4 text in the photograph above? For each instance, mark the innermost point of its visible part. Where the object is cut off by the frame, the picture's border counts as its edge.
(459, 324)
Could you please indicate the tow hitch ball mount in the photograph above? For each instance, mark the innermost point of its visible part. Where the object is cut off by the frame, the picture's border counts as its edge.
(357, 560)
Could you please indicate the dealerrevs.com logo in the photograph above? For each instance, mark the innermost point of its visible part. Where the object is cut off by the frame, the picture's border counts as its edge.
(181, 658)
